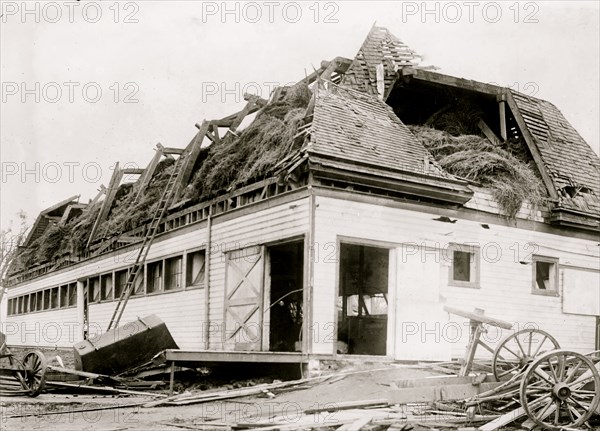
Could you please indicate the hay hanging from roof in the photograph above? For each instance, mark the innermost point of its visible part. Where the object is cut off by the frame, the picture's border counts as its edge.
(260, 146)
(472, 157)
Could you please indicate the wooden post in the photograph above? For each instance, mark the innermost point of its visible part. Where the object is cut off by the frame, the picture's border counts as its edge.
(502, 107)
(172, 378)
(80, 312)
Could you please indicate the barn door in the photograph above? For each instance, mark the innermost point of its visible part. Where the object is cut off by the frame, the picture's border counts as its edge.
(243, 299)
(420, 318)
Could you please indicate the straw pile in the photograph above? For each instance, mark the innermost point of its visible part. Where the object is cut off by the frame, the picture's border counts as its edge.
(251, 156)
(511, 179)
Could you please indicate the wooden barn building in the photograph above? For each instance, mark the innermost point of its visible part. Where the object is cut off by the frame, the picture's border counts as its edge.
(352, 209)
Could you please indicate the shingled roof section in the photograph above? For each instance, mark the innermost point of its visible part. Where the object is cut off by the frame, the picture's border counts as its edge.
(570, 161)
(354, 126)
(380, 47)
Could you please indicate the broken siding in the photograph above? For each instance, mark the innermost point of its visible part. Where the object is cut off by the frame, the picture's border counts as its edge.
(505, 283)
(483, 200)
(273, 224)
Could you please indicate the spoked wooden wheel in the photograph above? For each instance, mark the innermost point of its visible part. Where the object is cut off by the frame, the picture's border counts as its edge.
(34, 373)
(517, 351)
(560, 389)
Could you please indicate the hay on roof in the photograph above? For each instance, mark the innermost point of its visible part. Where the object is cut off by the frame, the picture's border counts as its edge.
(260, 146)
(511, 179)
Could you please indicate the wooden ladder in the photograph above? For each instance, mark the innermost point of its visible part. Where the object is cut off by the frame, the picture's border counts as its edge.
(169, 192)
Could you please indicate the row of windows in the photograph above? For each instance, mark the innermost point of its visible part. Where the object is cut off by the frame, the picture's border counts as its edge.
(464, 271)
(47, 299)
(163, 275)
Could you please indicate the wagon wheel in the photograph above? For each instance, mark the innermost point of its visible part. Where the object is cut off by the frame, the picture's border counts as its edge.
(518, 350)
(33, 376)
(560, 389)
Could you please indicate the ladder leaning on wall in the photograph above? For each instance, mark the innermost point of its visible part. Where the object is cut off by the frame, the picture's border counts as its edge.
(169, 192)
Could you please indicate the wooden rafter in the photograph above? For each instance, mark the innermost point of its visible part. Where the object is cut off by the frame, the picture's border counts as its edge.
(107, 202)
(489, 133)
(533, 149)
(149, 171)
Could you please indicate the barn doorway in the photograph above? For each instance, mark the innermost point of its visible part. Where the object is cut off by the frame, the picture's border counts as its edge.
(362, 302)
(285, 300)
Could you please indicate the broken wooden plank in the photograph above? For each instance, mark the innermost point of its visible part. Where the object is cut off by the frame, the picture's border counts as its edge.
(191, 155)
(107, 202)
(349, 405)
(149, 171)
(444, 392)
(503, 420)
(106, 389)
(479, 317)
(489, 133)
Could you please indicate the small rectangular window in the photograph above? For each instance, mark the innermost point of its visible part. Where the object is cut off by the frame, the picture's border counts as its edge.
(464, 268)
(72, 294)
(120, 281)
(94, 289)
(154, 282)
(25, 303)
(11, 307)
(173, 273)
(54, 298)
(545, 276)
(195, 268)
(32, 303)
(106, 282)
(46, 301)
(39, 299)
(64, 296)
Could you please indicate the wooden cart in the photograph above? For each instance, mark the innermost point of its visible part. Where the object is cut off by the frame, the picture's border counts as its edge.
(21, 377)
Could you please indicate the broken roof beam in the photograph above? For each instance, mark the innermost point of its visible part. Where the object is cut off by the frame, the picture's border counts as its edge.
(408, 73)
(149, 171)
(531, 145)
(107, 202)
(339, 65)
(101, 191)
(191, 154)
(489, 133)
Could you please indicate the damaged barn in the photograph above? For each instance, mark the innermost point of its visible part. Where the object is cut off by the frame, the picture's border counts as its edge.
(353, 208)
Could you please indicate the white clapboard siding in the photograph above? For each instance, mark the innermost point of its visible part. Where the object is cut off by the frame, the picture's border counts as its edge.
(55, 328)
(182, 312)
(273, 224)
(505, 282)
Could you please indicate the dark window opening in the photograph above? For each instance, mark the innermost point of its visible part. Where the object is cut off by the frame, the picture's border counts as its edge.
(120, 282)
(106, 287)
(64, 296)
(461, 270)
(173, 273)
(286, 263)
(93, 289)
(72, 294)
(46, 300)
(363, 300)
(195, 268)
(545, 276)
(54, 298)
(154, 283)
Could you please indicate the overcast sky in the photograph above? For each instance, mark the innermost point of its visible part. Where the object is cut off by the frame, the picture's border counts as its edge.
(113, 79)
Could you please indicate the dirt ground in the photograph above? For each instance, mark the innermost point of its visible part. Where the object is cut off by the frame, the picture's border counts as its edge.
(66, 412)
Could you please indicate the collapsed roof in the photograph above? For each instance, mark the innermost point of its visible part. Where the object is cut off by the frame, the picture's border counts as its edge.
(347, 120)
